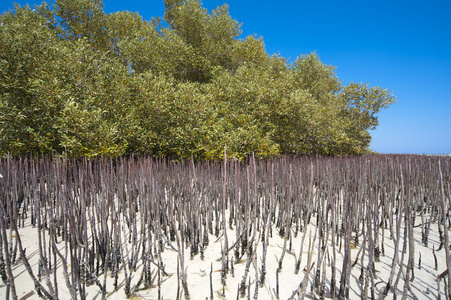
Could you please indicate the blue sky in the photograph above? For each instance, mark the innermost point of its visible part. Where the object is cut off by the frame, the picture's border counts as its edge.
(403, 46)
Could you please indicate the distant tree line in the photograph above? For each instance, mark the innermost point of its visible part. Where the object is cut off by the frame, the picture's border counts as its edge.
(74, 79)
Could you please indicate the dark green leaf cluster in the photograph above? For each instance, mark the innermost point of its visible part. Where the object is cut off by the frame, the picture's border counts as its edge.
(77, 80)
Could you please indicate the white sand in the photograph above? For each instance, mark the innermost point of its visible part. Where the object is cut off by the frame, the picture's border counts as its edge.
(424, 286)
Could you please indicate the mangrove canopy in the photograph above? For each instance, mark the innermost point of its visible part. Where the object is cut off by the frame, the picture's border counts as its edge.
(77, 80)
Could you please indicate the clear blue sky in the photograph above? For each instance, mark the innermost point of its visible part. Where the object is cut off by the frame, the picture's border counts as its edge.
(404, 46)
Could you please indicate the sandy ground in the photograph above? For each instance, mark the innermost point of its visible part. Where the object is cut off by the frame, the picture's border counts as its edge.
(424, 285)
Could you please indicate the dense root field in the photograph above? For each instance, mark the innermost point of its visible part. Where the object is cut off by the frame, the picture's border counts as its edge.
(285, 228)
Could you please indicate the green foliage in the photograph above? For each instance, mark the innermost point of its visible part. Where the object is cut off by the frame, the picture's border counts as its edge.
(29, 52)
(83, 19)
(74, 79)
